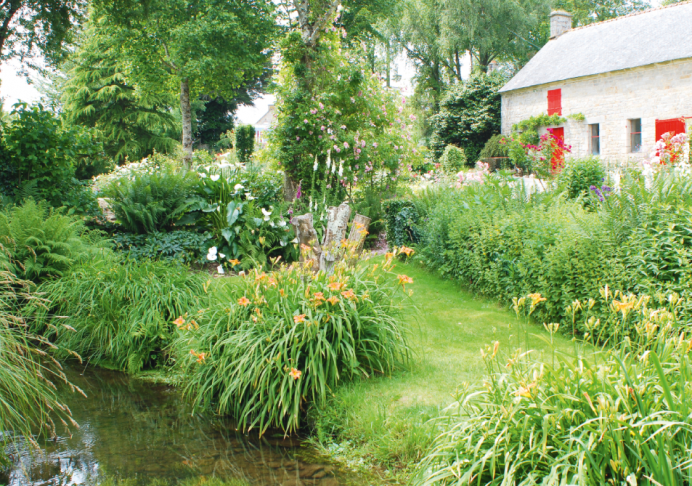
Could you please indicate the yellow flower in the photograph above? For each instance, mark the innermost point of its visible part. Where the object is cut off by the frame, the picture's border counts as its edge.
(408, 251)
(536, 298)
(244, 301)
(295, 374)
(234, 262)
(299, 318)
(333, 300)
(261, 240)
(281, 291)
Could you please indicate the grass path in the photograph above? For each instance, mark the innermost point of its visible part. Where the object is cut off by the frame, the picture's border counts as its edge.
(384, 421)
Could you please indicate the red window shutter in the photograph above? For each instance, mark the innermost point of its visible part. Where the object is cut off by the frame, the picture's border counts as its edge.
(555, 102)
(675, 125)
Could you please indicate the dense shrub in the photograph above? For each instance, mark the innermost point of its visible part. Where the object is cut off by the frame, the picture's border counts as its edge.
(279, 340)
(116, 311)
(501, 242)
(496, 146)
(601, 417)
(42, 242)
(245, 142)
(402, 218)
(581, 174)
(182, 246)
(453, 159)
(469, 115)
(152, 201)
(38, 152)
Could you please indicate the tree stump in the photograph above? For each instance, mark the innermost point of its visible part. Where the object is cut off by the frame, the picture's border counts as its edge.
(336, 231)
(359, 230)
(307, 237)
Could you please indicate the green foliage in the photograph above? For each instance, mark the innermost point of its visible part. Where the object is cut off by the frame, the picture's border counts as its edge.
(214, 121)
(528, 129)
(331, 107)
(117, 311)
(28, 398)
(97, 93)
(496, 146)
(601, 416)
(37, 150)
(242, 209)
(183, 246)
(580, 174)
(245, 142)
(41, 242)
(402, 217)
(151, 201)
(275, 343)
(453, 159)
(469, 115)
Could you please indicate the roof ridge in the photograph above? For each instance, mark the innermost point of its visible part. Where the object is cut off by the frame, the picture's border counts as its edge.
(633, 14)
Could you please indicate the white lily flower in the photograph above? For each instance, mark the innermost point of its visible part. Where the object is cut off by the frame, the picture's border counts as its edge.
(282, 223)
(238, 187)
(211, 255)
(220, 269)
(295, 240)
(283, 243)
(202, 175)
(222, 255)
(266, 214)
(271, 223)
(215, 177)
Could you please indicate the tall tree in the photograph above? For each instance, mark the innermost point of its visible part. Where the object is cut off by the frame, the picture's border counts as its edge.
(96, 93)
(194, 47)
(493, 29)
(37, 27)
(586, 12)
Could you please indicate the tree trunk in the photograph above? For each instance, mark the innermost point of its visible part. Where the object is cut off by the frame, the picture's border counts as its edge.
(307, 237)
(186, 112)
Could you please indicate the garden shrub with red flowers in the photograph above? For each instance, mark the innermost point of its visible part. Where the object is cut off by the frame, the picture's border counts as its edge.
(277, 341)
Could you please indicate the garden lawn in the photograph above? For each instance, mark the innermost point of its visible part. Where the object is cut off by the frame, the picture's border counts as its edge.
(383, 421)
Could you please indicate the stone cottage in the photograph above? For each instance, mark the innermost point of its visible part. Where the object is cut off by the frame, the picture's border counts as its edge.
(620, 84)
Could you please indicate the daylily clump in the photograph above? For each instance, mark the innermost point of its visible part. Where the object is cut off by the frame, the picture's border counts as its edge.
(284, 338)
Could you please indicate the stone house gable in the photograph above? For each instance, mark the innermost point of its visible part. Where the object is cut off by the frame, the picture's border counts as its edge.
(630, 78)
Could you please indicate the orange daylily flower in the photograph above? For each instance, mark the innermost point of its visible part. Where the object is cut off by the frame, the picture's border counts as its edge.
(349, 294)
(299, 318)
(244, 301)
(305, 247)
(336, 286)
(281, 291)
(200, 356)
(179, 322)
(405, 279)
(408, 251)
(319, 296)
(234, 262)
(295, 374)
(333, 300)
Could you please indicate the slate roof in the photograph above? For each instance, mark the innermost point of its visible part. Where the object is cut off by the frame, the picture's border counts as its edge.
(649, 37)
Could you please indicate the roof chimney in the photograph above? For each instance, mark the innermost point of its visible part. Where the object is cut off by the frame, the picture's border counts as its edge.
(560, 22)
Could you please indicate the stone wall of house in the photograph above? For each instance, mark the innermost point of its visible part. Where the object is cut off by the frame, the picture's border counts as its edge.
(650, 93)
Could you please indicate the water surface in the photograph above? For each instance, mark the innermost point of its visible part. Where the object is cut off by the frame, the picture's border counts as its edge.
(134, 429)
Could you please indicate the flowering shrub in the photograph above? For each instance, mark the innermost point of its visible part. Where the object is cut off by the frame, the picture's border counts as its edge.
(612, 416)
(345, 112)
(670, 149)
(280, 340)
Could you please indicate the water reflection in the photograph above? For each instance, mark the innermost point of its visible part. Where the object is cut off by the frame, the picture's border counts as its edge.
(134, 429)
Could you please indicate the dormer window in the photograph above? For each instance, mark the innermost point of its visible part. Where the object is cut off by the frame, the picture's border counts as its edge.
(555, 102)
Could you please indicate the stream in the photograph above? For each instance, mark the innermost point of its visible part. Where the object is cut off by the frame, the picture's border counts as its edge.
(135, 430)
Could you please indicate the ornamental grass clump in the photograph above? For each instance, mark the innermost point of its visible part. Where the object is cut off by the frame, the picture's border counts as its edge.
(611, 416)
(117, 311)
(279, 341)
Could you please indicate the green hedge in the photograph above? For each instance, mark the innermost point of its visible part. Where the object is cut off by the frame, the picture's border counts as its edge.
(401, 216)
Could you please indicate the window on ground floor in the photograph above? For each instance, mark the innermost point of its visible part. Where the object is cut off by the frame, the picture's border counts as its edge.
(595, 142)
(635, 135)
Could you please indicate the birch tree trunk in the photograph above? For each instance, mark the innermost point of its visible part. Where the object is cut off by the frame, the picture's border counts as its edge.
(186, 112)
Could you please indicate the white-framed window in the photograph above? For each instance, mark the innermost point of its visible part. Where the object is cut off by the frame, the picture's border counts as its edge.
(635, 135)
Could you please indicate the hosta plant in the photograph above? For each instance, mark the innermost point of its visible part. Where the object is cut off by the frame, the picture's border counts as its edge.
(276, 342)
